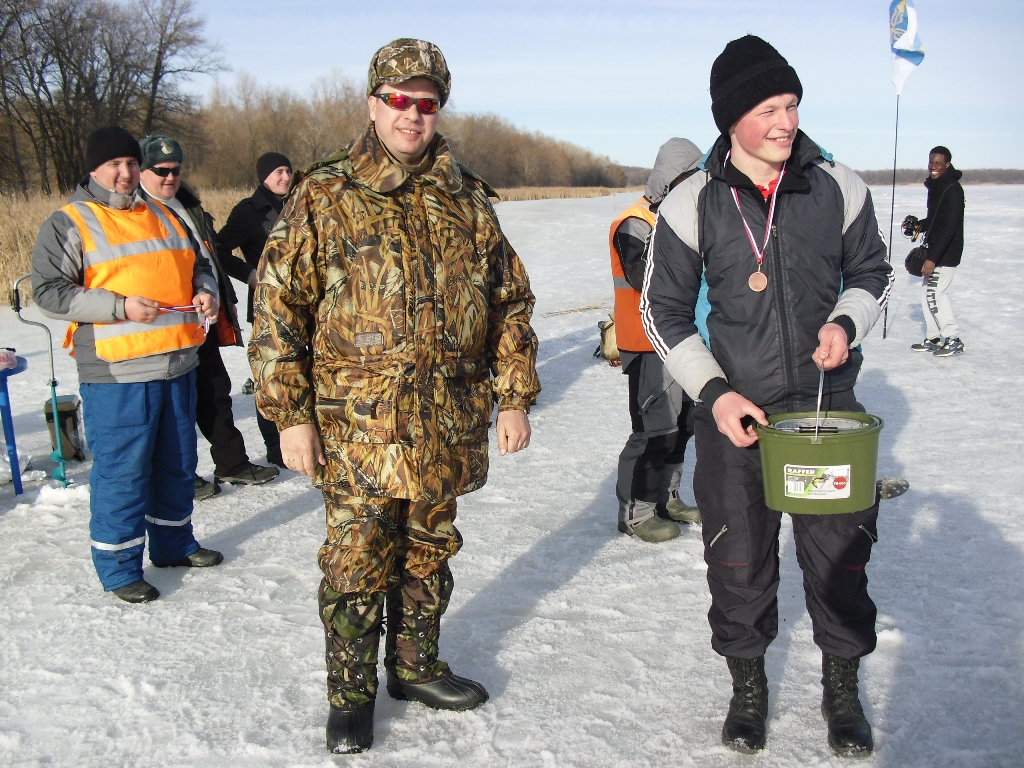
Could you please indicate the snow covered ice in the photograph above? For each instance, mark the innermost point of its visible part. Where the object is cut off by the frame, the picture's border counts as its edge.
(594, 646)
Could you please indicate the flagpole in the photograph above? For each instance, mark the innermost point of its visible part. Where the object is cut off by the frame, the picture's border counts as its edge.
(892, 208)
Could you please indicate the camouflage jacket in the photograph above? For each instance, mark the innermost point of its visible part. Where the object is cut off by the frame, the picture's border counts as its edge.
(386, 303)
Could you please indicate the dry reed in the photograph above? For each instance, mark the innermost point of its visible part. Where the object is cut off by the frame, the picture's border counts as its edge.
(21, 217)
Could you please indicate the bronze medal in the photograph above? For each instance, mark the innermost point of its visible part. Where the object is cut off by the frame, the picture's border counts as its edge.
(758, 281)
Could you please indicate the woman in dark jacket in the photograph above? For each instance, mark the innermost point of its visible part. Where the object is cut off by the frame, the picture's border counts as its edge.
(246, 229)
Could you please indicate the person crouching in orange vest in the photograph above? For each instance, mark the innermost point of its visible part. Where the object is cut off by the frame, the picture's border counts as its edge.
(132, 280)
(651, 463)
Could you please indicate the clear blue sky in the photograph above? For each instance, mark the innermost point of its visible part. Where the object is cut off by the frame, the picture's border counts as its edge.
(621, 77)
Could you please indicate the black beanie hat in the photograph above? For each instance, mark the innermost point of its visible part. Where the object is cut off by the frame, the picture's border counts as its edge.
(270, 162)
(107, 143)
(746, 73)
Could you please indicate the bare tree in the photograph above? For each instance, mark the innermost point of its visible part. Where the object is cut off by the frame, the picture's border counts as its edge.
(178, 49)
(69, 66)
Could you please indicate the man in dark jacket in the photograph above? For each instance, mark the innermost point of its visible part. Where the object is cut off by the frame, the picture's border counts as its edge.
(162, 157)
(247, 229)
(944, 232)
(774, 253)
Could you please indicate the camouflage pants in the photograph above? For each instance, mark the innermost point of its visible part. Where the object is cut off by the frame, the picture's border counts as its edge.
(383, 552)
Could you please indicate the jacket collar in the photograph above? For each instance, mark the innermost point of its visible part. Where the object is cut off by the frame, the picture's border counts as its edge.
(263, 198)
(372, 166)
(186, 195)
(805, 152)
(90, 190)
(948, 179)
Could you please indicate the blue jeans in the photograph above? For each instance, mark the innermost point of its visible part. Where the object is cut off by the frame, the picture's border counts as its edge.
(143, 439)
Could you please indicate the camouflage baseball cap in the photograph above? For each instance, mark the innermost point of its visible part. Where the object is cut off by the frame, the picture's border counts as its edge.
(405, 58)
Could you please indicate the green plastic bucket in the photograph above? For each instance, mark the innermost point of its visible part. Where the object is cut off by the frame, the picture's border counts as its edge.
(828, 475)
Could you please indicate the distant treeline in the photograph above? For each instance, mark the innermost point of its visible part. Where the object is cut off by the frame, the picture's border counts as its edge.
(971, 176)
(69, 66)
(237, 126)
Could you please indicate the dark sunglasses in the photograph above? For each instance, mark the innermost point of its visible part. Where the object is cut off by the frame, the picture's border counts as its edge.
(401, 102)
(165, 172)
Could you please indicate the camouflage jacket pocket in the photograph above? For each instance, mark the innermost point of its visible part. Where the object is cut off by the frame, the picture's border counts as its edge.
(356, 406)
(367, 317)
(472, 401)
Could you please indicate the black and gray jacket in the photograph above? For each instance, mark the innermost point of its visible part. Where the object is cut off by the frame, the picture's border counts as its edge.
(825, 262)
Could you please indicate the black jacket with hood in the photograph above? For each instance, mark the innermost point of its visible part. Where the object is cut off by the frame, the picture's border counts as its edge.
(945, 222)
(825, 262)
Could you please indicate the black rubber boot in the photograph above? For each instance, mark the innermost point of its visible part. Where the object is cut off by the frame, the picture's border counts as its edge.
(201, 558)
(849, 732)
(446, 692)
(350, 730)
(137, 592)
(745, 729)
(415, 673)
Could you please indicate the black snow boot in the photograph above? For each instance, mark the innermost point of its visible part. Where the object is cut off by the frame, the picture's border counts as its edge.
(446, 692)
(745, 729)
(849, 732)
(350, 730)
(137, 592)
(415, 607)
(201, 558)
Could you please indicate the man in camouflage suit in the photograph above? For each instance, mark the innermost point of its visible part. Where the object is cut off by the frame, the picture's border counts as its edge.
(390, 315)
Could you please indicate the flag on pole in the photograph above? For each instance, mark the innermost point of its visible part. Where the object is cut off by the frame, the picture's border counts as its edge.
(907, 51)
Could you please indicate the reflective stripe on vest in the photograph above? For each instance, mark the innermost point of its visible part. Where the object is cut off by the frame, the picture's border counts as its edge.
(629, 330)
(146, 252)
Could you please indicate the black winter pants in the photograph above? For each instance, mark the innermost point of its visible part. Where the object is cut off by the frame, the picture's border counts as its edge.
(213, 411)
(741, 548)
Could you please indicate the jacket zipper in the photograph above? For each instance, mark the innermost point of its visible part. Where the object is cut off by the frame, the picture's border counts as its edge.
(783, 313)
(718, 535)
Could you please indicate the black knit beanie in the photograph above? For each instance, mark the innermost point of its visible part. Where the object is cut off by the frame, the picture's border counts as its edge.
(270, 162)
(746, 73)
(108, 143)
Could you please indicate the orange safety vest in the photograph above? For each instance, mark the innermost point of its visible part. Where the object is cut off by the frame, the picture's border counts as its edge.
(629, 330)
(141, 251)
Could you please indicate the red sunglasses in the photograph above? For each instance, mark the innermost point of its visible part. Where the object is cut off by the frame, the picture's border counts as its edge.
(401, 102)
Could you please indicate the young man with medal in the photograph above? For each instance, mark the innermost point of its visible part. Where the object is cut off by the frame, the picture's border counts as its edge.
(773, 256)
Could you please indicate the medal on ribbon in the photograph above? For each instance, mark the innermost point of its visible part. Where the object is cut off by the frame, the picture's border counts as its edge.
(758, 280)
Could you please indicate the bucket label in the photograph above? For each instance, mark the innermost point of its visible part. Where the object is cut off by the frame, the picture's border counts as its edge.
(817, 482)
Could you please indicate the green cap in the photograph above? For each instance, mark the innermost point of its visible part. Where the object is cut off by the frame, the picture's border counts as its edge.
(160, 149)
(405, 58)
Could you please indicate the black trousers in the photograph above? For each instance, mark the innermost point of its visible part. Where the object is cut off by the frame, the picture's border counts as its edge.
(271, 438)
(741, 549)
(214, 416)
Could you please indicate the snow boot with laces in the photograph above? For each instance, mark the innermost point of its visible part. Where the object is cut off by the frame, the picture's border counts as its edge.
(414, 608)
(745, 728)
(352, 626)
(849, 732)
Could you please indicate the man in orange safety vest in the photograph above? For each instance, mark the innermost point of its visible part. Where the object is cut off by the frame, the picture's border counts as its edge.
(131, 278)
(650, 465)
